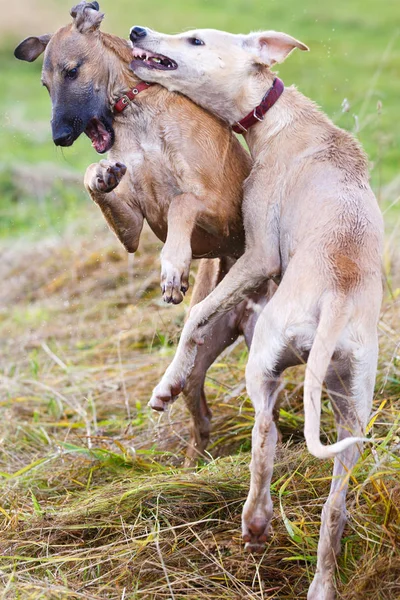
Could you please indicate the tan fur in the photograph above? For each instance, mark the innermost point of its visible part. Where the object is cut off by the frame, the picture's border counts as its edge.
(310, 218)
(184, 175)
(175, 152)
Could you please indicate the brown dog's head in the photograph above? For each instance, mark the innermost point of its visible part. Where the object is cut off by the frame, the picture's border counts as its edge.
(78, 87)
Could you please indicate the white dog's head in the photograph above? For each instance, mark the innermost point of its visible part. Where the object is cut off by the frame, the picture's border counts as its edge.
(213, 68)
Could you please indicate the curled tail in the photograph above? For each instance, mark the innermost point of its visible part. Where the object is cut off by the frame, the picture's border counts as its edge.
(334, 317)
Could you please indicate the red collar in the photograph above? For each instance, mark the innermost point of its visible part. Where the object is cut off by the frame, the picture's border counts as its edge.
(130, 95)
(258, 113)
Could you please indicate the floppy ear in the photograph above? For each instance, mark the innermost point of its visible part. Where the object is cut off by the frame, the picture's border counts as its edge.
(32, 47)
(87, 16)
(273, 46)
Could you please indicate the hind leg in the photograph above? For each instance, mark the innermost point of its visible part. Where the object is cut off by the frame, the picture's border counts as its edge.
(209, 274)
(240, 320)
(225, 332)
(350, 381)
(271, 352)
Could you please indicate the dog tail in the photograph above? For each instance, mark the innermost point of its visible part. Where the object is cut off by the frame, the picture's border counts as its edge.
(334, 317)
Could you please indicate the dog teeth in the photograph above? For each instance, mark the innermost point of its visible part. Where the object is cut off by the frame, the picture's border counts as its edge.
(147, 57)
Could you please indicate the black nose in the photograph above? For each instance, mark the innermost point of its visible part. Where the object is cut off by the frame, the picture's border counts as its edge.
(137, 32)
(63, 137)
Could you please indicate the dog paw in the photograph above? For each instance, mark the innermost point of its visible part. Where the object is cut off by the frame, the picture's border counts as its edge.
(174, 283)
(164, 394)
(255, 534)
(105, 176)
(256, 528)
(109, 176)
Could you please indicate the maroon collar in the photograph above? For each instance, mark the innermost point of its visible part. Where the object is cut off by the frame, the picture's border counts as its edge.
(258, 113)
(130, 95)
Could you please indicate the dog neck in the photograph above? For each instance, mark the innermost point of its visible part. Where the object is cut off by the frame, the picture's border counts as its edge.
(278, 119)
(293, 115)
(258, 113)
(121, 77)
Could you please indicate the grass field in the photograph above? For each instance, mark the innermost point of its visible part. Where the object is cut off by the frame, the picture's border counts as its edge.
(94, 503)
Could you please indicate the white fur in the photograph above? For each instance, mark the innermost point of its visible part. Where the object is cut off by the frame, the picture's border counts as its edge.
(310, 217)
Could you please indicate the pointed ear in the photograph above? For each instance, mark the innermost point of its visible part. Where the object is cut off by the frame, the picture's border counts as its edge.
(274, 46)
(87, 16)
(32, 47)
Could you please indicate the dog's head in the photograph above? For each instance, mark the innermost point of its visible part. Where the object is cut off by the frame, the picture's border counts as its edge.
(211, 67)
(76, 84)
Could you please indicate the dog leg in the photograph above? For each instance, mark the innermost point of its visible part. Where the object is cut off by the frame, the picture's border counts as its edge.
(176, 255)
(228, 328)
(263, 386)
(245, 276)
(209, 274)
(259, 263)
(240, 320)
(351, 385)
(258, 510)
(225, 333)
(124, 218)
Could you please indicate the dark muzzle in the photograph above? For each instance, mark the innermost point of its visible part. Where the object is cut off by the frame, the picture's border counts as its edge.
(63, 136)
(66, 131)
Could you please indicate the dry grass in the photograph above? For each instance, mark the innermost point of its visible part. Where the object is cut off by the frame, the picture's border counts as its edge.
(94, 503)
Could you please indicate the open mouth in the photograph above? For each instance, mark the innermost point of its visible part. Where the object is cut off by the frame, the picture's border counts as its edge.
(151, 60)
(101, 135)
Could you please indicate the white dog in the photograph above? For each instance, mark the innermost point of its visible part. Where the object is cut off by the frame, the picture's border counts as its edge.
(312, 220)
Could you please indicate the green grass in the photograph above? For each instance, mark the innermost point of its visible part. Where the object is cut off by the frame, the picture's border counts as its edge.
(94, 502)
(355, 52)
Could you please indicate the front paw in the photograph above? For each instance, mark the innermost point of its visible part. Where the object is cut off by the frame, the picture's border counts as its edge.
(104, 176)
(164, 394)
(174, 282)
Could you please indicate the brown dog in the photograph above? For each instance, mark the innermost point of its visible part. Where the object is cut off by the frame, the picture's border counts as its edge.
(184, 173)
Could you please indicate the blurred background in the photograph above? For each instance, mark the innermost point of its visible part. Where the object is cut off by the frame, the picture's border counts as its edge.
(84, 336)
(352, 71)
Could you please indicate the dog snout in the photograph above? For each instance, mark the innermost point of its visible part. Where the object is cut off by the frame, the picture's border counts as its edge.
(66, 128)
(63, 136)
(137, 33)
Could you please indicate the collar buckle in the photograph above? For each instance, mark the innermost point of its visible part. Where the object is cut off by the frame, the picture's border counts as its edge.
(129, 96)
(258, 113)
(125, 99)
(255, 115)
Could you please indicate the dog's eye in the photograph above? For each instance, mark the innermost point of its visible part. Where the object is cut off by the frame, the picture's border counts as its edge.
(72, 73)
(196, 42)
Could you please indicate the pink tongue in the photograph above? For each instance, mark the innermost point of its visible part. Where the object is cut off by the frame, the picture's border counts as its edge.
(100, 144)
(100, 138)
